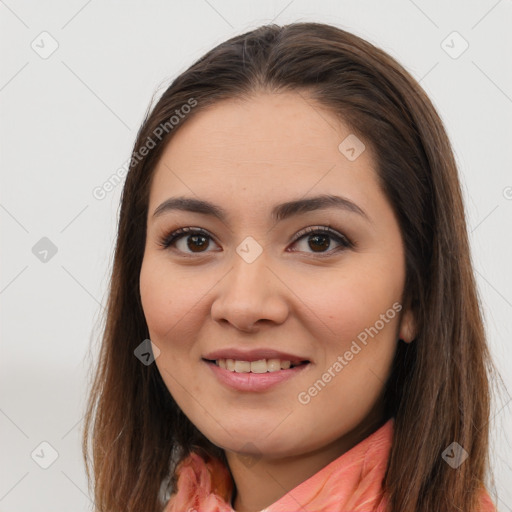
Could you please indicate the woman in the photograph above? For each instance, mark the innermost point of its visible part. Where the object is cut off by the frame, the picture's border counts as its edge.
(293, 321)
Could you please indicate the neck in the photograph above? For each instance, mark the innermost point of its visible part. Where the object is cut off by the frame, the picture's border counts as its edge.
(262, 481)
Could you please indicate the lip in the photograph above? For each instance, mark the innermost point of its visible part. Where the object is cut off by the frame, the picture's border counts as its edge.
(254, 381)
(254, 355)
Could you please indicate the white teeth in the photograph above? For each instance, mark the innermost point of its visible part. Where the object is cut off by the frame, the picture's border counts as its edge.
(260, 366)
(274, 365)
(285, 365)
(242, 366)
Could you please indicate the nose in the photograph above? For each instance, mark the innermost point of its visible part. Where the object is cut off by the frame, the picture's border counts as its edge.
(250, 295)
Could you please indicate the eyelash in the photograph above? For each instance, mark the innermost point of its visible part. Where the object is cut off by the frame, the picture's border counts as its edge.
(166, 241)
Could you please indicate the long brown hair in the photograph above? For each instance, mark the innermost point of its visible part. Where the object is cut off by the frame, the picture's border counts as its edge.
(438, 391)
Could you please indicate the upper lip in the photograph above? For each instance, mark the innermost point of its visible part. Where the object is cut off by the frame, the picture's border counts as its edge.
(253, 355)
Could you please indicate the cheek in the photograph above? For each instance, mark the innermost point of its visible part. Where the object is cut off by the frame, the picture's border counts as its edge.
(166, 303)
(164, 299)
(347, 304)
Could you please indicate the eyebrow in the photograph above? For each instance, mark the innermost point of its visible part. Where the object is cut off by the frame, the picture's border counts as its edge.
(279, 212)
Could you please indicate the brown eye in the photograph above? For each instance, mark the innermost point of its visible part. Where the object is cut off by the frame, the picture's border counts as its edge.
(194, 240)
(319, 239)
(319, 242)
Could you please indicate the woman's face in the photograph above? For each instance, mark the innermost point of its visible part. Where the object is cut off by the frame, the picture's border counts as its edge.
(254, 281)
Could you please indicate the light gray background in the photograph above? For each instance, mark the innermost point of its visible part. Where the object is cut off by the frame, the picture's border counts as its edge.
(68, 123)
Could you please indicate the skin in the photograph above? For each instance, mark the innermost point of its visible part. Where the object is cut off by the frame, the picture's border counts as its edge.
(247, 156)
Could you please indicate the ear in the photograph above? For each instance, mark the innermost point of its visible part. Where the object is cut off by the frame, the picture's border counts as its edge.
(408, 326)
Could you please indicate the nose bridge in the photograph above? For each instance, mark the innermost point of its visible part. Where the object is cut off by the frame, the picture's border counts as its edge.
(249, 277)
(249, 292)
(248, 282)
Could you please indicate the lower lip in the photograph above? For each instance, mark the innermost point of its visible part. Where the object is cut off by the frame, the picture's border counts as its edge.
(254, 381)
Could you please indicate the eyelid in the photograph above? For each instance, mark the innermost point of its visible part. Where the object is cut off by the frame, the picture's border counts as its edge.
(324, 229)
(179, 233)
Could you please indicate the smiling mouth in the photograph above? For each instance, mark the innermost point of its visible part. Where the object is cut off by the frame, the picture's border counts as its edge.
(259, 366)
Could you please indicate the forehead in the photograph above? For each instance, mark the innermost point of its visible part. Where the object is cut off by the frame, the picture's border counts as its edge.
(263, 148)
